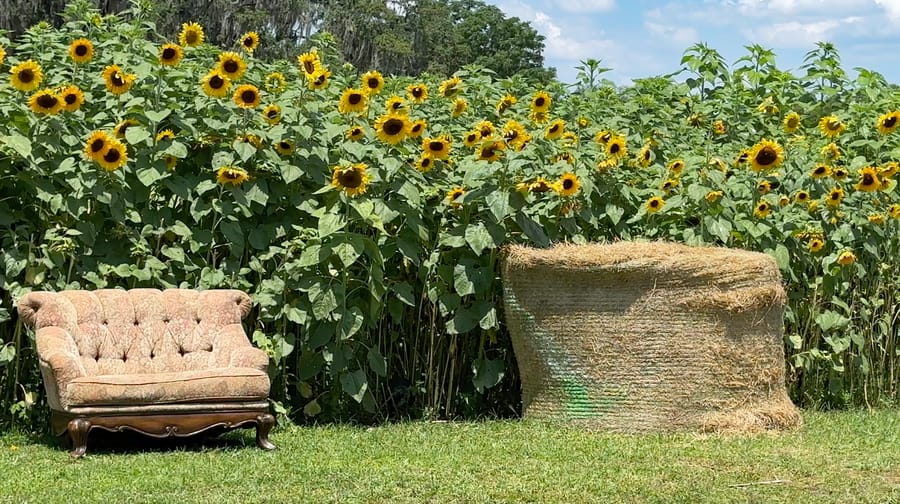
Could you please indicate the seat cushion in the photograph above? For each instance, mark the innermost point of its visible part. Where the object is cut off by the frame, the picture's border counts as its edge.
(209, 385)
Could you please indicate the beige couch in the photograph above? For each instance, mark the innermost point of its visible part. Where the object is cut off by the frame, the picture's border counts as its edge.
(164, 363)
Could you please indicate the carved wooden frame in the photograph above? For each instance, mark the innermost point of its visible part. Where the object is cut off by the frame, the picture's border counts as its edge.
(160, 425)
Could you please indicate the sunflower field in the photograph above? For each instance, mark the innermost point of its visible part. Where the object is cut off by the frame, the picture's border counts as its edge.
(366, 214)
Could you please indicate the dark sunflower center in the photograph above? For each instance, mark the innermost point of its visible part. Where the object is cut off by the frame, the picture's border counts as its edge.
(350, 179)
(248, 96)
(487, 152)
(553, 129)
(763, 207)
(373, 82)
(471, 138)
(455, 195)
(354, 98)
(868, 179)
(248, 42)
(568, 184)
(820, 170)
(835, 196)
(486, 132)
(614, 148)
(654, 203)
(890, 122)
(112, 155)
(393, 126)
(231, 174)
(169, 53)
(116, 79)
(70, 98)
(309, 67)
(792, 122)
(272, 113)
(26, 76)
(356, 131)
(285, 146)
(436, 146)
(98, 145)
(396, 106)
(766, 156)
(320, 80)
(416, 128)
(417, 92)
(539, 102)
(833, 125)
(541, 186)
(426, 162)
(191, 37)
(230, 66)
(81, 50)
(216, 82)
(47, 101)
(802, 196)
(511, 135)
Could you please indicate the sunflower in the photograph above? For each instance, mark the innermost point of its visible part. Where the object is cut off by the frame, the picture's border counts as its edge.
(541, 185)
(319, 80)
(506, 102)
(876, 219)
(72, 98)
(894, 211)
(454, 195)
(655, 204)
(868, 180)
(645, 155)
(831, 152)
(120, 128)
(719, 128)
(355, 133)
(472, 138)
(568, 157)
(766, 155)
(275, 83)
(567, 185)
(81, 50)
(425, 163)
(669, 186)
(490, 151)
(540, 102)
(417, 128)
(839, 173)
(514, 133)
(2, 54)
(762, 209)
(232, 65)
(768, 106)
(820, 171)
(713, 196)
(231, 175)
(835, 196)
(889, 169)
(801, 196)
(887, 123)
(97, 144)
(164, 135)
(216, 84)
(170, 161)
(437, 148)
(191, 35)
(26, 76)
(846, 258)
(272, 114)
(831, 126)
(450, 87)
(396, 105)
(417, 93)
(249, 41)
(251, 139)
(606, 164)
(763, 186)
(742, 157)
(284, 147)
(353, 179)
(352, 100)
(676, 166)
(486, 128)
(117, 81)
(815, 244)
(392, 128)
(791, 122)
(603, 137)
(372, 82)
(569, 139)
(309, 64)
(114, 157)
(170, 54)
(555, 129)
(459, 107)
(246, 96)
(616, 147)
(45, 102)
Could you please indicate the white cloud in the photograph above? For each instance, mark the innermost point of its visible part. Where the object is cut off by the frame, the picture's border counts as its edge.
(891, 8)
(822, 7)
(679, 35)
(585, 5)
(558, 46)
(796, 33)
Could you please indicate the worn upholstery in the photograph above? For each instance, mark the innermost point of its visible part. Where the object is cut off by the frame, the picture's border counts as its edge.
(145, 346)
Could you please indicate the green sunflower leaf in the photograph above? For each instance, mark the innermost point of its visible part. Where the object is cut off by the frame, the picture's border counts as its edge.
(354, 384)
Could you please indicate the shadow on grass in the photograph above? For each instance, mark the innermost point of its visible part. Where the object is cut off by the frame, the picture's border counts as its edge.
(102, 442)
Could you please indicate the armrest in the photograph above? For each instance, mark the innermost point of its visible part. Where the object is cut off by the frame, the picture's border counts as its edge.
(232, 348)
(59, 361)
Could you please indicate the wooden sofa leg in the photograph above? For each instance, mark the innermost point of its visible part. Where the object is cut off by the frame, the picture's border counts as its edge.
(78, 432)
(264, 424)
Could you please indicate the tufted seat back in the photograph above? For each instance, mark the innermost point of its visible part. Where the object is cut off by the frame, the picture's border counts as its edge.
(141, 331)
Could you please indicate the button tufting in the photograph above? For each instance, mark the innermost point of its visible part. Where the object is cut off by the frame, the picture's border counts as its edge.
(136, 323)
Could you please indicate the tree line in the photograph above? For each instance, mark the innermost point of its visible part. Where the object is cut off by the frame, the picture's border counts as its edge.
(400, 37)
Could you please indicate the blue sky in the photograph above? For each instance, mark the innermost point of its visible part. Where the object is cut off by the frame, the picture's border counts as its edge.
(643, 38)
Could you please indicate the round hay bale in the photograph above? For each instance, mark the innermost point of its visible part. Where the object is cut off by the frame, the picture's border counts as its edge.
(649, 336)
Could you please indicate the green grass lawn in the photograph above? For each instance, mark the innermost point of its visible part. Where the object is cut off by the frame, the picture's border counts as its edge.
(836, 457)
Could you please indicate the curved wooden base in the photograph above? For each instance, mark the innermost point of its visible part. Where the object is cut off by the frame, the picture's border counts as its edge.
(161, 425)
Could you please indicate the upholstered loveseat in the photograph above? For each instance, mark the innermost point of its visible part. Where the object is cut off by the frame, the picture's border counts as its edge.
(165, 363)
